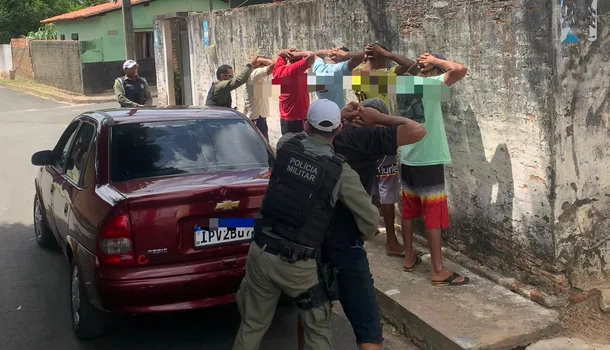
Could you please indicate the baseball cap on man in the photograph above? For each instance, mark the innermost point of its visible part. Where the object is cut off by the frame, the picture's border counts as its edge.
(130, 64)
(324, 115)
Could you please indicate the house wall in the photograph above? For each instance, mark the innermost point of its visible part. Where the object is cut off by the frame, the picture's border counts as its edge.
(105, 34)
(57, 64)
(519, 202)
(6, 60)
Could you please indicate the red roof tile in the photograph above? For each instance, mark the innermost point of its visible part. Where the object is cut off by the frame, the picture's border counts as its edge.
(92, 11)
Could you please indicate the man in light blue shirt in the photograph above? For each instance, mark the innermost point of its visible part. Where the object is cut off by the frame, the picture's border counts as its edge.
(330, 72)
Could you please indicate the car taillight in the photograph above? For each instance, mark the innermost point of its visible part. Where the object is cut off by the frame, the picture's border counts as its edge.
(115, 245)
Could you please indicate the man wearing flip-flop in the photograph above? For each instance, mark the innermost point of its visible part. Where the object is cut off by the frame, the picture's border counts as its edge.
(422, 171)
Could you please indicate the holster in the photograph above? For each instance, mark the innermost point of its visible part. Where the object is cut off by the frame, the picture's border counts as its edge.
(327, 289)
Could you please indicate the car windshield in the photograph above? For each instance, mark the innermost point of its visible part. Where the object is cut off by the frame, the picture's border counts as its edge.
(143, 150)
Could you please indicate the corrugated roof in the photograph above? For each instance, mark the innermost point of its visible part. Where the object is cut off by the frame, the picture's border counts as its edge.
(92, 11)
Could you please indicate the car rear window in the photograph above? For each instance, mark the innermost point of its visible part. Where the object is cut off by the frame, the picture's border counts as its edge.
(143, 150)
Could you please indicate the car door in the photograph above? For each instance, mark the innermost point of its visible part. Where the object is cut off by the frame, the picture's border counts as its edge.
(51, 177)
(72, 175)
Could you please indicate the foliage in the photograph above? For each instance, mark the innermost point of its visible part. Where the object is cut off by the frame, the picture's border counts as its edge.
(46, 32)
(20, 17)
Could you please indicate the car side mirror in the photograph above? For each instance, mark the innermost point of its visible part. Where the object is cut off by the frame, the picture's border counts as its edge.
(43, 158)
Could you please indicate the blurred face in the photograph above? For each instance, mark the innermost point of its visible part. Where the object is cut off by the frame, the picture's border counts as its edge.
(227, 76)
(131, 72)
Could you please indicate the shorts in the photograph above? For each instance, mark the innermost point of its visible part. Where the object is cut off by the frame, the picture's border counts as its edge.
(423, 194)
(261, 124)
(292, 126)
(385, 184)
(357, 293)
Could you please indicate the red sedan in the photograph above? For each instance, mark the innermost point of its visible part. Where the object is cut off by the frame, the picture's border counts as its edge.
(153, 208)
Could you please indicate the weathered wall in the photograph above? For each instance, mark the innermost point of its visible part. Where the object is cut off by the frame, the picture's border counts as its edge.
(500, 121)
(99, 77)
(22, 60)
(6, 60)
(57, 63)
(581, 139)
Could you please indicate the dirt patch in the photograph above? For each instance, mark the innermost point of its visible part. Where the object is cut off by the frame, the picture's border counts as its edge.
(585, 320)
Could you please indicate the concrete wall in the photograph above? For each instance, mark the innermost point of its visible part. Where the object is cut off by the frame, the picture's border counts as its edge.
(22, 59)
(58, 64)
(507, 123)
(6, 60)
(580, 141)
(105, 35)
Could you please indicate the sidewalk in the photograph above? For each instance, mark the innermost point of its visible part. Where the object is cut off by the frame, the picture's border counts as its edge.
(44, 91)
(481, 315)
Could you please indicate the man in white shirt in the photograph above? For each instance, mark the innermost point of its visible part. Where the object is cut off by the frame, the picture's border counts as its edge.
(257, 93)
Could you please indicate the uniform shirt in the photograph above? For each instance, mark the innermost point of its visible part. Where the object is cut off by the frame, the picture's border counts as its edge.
(294, 95)
(137, 89)
(433, 149)
(332, 77)
(222, 89)
(362, 147)
(256, 95)
(349, 192)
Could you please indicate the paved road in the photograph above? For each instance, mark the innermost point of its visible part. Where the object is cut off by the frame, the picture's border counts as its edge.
(34, 302)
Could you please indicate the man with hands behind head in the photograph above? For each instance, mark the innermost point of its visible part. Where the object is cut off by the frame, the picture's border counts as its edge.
(290, 74)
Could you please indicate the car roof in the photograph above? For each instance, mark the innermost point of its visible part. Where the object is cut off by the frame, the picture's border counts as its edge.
(143, 115)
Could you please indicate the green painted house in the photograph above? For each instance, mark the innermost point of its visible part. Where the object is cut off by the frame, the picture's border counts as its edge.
(100, 32)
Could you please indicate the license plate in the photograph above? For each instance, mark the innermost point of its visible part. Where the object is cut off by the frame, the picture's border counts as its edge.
(220, 231)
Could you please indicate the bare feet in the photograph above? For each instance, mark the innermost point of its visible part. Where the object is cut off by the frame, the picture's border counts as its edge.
(394, 250)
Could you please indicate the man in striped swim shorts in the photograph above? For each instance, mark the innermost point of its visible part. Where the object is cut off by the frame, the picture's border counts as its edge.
(422, 166)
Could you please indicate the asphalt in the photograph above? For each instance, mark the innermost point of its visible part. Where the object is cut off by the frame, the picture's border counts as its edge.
(34, 301)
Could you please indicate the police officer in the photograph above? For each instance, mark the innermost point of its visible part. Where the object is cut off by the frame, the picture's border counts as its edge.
(219, 94)
(306, 182)
(132, 90)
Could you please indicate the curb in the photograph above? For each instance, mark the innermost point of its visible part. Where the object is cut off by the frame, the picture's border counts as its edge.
(527, 291)
(55, 97)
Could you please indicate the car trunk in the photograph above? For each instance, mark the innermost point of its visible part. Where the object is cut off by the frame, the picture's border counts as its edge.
(166, 212)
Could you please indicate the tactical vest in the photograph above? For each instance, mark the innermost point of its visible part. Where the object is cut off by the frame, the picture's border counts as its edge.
(134, 90)
(298, 203)
(212, 102)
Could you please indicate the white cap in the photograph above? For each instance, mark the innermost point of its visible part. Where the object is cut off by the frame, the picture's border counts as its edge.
(324, 115)
(129, 64)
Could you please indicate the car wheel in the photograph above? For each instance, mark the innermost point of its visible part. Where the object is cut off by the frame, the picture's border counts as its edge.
(44, 235)
(87, 321)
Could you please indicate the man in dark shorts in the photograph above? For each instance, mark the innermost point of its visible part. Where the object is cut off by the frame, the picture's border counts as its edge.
(369, 137)
(422, 170)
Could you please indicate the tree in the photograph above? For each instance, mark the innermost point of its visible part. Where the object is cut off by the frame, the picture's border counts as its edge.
(20, 17)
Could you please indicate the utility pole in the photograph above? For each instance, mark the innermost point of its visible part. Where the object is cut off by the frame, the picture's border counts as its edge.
(130, 36)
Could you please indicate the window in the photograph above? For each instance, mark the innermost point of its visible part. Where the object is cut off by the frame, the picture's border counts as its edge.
(77, 158)
(74, 36)
(142, 150)
(62, 37)
(63, 146)
(144, 45)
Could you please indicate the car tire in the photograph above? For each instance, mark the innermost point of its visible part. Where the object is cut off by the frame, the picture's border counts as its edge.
(87, 321)
(44, 235)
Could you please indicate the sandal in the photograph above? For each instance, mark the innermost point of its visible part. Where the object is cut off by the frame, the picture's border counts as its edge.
(418, 261)
(449, 281)
(399, 255)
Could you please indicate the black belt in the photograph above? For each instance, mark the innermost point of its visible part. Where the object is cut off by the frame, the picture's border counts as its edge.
(286, 250)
